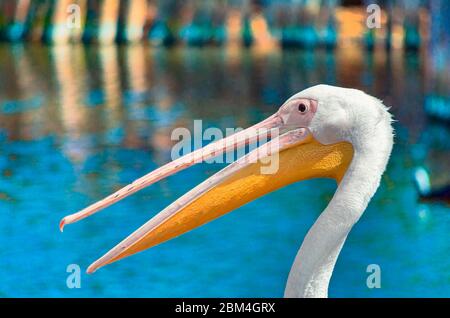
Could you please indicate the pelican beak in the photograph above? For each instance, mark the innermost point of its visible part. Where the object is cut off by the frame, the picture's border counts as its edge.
(291, 156)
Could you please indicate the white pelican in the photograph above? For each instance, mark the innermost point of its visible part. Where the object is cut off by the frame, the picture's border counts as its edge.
(326, 131)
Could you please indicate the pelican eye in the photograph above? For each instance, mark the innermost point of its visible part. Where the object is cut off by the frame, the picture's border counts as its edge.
(302, 108)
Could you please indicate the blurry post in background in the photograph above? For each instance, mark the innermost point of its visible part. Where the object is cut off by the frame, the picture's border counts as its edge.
(132, 18)
(101, 21)
(438, 102)
(57, 30)
(14, 19)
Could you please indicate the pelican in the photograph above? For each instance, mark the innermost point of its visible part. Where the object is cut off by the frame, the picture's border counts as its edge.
(325, 132)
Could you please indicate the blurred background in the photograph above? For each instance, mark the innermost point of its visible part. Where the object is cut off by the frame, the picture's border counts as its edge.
(91, 90)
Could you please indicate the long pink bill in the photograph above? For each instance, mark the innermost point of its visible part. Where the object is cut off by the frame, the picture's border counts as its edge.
(167, 224)
(237, 140)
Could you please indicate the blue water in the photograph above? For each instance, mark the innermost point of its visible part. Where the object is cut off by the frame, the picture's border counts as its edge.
(78, 123)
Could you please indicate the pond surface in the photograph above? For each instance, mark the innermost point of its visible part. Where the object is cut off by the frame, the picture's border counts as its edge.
(77, 123)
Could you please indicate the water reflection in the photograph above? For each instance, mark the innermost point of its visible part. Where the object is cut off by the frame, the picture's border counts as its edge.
(124, 91)
(77, 123)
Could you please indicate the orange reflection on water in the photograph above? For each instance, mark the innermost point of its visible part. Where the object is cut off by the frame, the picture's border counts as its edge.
(135, 95)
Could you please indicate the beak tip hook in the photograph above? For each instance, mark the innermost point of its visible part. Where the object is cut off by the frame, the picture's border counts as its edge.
(91, 269)
(62, 223)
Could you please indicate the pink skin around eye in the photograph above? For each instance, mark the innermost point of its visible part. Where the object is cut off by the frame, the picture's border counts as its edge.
(291, 114)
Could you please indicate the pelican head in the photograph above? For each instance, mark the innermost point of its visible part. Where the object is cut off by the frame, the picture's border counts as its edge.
(323, 132)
